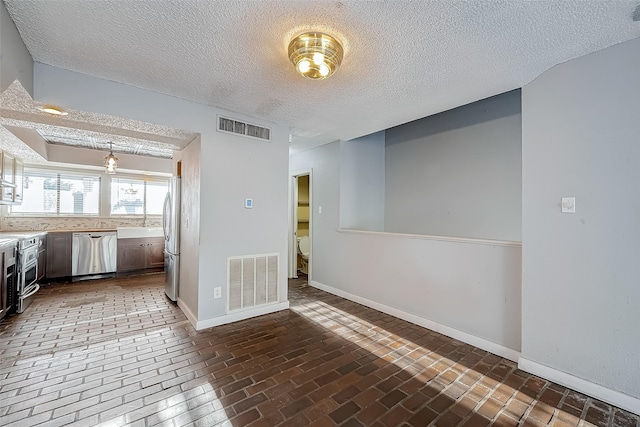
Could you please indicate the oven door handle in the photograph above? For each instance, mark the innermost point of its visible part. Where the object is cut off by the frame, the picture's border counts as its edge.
(36, 289)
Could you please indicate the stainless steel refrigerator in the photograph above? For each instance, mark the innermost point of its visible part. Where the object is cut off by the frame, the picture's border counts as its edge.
(171, 226)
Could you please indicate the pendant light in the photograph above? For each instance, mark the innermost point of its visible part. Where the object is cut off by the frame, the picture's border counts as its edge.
(111, 161)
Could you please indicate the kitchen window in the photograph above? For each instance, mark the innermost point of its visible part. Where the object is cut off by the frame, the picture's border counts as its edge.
(53, 193)
(137, 197)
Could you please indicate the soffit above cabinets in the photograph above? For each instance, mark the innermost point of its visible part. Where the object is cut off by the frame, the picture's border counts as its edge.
(403, 60)
(83, 130)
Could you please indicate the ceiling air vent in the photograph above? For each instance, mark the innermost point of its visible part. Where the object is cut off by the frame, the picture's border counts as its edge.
(245, 129)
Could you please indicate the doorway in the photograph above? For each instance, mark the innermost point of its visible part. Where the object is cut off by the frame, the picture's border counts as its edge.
(300, 236)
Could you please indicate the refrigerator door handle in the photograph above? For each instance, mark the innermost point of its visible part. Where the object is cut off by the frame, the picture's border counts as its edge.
(171, 226)
(166, 221)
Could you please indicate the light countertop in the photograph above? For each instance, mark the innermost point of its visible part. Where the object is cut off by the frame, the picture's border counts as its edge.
(123, 232)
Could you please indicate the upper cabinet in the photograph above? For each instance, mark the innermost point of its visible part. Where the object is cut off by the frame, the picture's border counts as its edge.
(8, 169)
(12, 175)
(19, 181)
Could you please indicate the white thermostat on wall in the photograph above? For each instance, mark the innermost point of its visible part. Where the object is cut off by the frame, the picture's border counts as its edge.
(248, 203)
(568, 205)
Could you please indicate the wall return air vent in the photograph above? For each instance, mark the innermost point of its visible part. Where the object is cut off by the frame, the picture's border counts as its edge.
(243, 129)
(252, 281)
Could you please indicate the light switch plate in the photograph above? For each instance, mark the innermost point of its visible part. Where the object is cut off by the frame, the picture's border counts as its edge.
(568, 205)
(248, 203)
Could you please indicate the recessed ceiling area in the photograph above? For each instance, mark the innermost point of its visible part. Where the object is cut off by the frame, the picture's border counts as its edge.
(403, 60)
(97, 141)
(27, 131)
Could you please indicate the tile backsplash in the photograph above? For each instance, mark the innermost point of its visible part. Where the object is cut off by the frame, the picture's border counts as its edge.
(46, 223)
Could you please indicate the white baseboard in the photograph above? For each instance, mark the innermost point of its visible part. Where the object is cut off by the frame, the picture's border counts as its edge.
(465, 337)
(613, 397)
(242, 315)
(187, 312)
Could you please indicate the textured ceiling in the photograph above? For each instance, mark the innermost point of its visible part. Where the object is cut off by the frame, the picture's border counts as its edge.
(84, 130)
(403, 59)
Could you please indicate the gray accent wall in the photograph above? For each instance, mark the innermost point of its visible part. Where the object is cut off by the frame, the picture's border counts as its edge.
(581, 272)
(457, 173)
(15, 59)
(470, 287)
(362, 182)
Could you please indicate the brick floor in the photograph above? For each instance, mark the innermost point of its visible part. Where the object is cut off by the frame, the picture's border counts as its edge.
(117, 352)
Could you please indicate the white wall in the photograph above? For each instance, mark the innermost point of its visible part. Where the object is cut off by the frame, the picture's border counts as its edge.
(470, 289)
(232, 168)
(190, 225)
(15, 59)
(457, 173)
(581, 282)
(362, 182)
(325, 192)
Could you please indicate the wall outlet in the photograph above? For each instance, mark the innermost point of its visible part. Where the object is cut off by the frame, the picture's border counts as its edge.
(217, 293)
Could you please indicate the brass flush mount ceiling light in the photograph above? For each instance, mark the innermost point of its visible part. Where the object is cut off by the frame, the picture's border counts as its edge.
(315, 55)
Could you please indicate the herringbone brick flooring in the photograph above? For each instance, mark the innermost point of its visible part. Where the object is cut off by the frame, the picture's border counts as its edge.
(117, 352)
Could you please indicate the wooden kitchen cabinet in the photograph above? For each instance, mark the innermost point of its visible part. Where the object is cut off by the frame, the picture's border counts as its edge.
(8, 193)
(8, 168)
(58, 255)
(131, 254)
(155, 253)
(19, 181)
(140, 254)
(11, 179)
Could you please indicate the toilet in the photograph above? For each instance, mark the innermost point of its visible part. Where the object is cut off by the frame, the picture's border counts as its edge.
(303, 251)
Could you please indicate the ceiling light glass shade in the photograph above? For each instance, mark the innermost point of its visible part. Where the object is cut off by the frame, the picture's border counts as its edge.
(110, 162)
(315, 55)
(52, 109)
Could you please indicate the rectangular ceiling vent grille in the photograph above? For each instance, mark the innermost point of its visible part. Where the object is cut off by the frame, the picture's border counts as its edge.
(244, 129)
(252, 281)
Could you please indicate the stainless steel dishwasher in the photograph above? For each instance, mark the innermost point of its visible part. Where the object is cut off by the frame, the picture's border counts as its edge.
(94, 253)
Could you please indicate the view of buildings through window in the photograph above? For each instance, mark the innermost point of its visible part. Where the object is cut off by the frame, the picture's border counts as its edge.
(60, 193)
(56, 193)
(133, 196)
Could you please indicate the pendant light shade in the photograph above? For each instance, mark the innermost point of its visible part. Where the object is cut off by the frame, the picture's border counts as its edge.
(315, 55)
(111, 161)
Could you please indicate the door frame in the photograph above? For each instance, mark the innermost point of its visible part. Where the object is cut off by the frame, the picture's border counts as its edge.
(293, 222)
